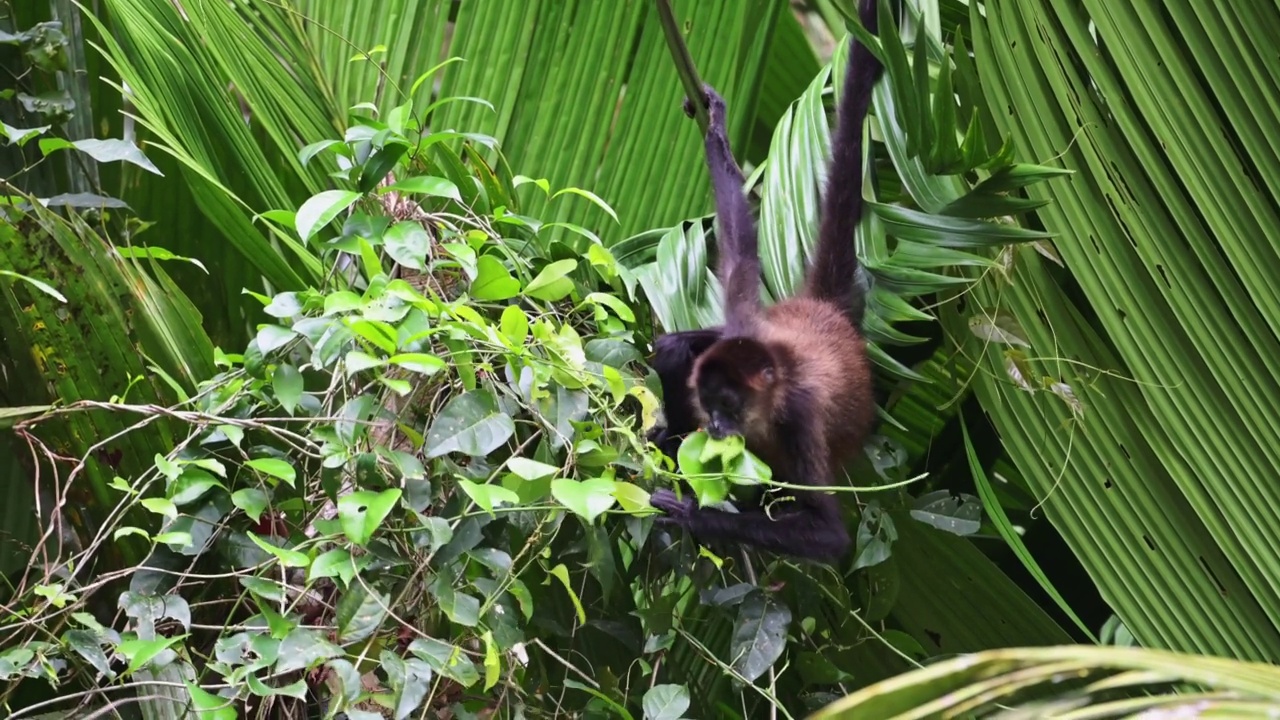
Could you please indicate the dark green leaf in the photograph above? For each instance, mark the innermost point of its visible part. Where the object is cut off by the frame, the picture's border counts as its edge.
(759, 635)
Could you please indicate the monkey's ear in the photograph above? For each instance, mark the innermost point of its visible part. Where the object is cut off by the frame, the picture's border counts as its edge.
(761, 379)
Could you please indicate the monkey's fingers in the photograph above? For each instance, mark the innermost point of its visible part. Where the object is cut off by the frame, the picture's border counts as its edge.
(675, 508)
(712, 101)
(689, 108)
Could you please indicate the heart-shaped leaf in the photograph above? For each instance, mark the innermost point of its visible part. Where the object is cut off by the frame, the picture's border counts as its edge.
(587, 498)
(493, 281)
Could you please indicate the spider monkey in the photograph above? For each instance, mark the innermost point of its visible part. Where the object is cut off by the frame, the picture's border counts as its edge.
(794, 378)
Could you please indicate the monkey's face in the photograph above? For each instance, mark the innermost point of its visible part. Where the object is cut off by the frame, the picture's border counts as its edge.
(733, 382)
(723, 406)
(731, 405)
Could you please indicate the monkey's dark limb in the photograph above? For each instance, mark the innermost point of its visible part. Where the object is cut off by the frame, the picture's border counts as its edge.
(736, 240)
(810, 526)
(835, 264)
(673, 356)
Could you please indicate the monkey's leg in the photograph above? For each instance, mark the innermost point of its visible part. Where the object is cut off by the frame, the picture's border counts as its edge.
(673, 357)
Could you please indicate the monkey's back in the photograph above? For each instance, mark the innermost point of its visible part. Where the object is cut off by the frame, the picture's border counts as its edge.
(832, 365)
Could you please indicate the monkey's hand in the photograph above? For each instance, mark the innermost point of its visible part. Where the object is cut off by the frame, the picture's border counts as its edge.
(678, 511)
(714, 103)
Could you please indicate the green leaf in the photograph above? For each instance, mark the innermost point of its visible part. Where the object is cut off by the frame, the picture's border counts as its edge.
(631, 497)
(321, 209)
(88, 645)
(337, 563)
(287, 383)
(361, 610)
(273, 337)
(461, 608)
(306, 154)
(492, 661)
(275, 468)
(471, 423)
(590, 196)
(427, 185)
(113, 150)
(191, 485)
(421, 363)
(287, 557)
(487, 496)
(43, 287)
(875, 537)
(493, 281)
(305, 648)
(357, 361)
(514, 325)
(408, 244)
(447, 660)
(958, 515)
(528, 469)
(618, 307)
(587, 498)
(999, 328)
(209, 706)
(665, 702)
(252, 501)
(708, 483)
(160, 506)
(551, 284)
(759, 635)
(361, 513)
(561, 573)
(343, 301)
(284, 305)
(141, 652)
(21, 136)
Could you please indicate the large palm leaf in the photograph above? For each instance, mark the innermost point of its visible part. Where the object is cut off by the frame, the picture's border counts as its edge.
(1162, 477)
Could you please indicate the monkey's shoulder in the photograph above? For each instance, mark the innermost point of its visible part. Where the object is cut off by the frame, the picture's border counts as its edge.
(816, 333)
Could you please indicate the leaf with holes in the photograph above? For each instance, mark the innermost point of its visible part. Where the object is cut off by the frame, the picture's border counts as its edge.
(361, 513)
(471, 424)
(998, 328)
(759, 635)
(956, 514)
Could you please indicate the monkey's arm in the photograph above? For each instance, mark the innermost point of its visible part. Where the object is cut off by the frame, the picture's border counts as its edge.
(736, 241)
(810, 527)
(673, 356)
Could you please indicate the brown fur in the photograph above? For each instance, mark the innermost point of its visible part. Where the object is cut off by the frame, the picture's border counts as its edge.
(812, 343)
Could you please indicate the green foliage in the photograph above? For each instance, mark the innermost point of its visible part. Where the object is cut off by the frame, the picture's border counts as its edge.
(403, 445)
(422, 487)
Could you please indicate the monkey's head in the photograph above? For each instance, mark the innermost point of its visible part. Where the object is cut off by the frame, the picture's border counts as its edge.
(735, 383)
